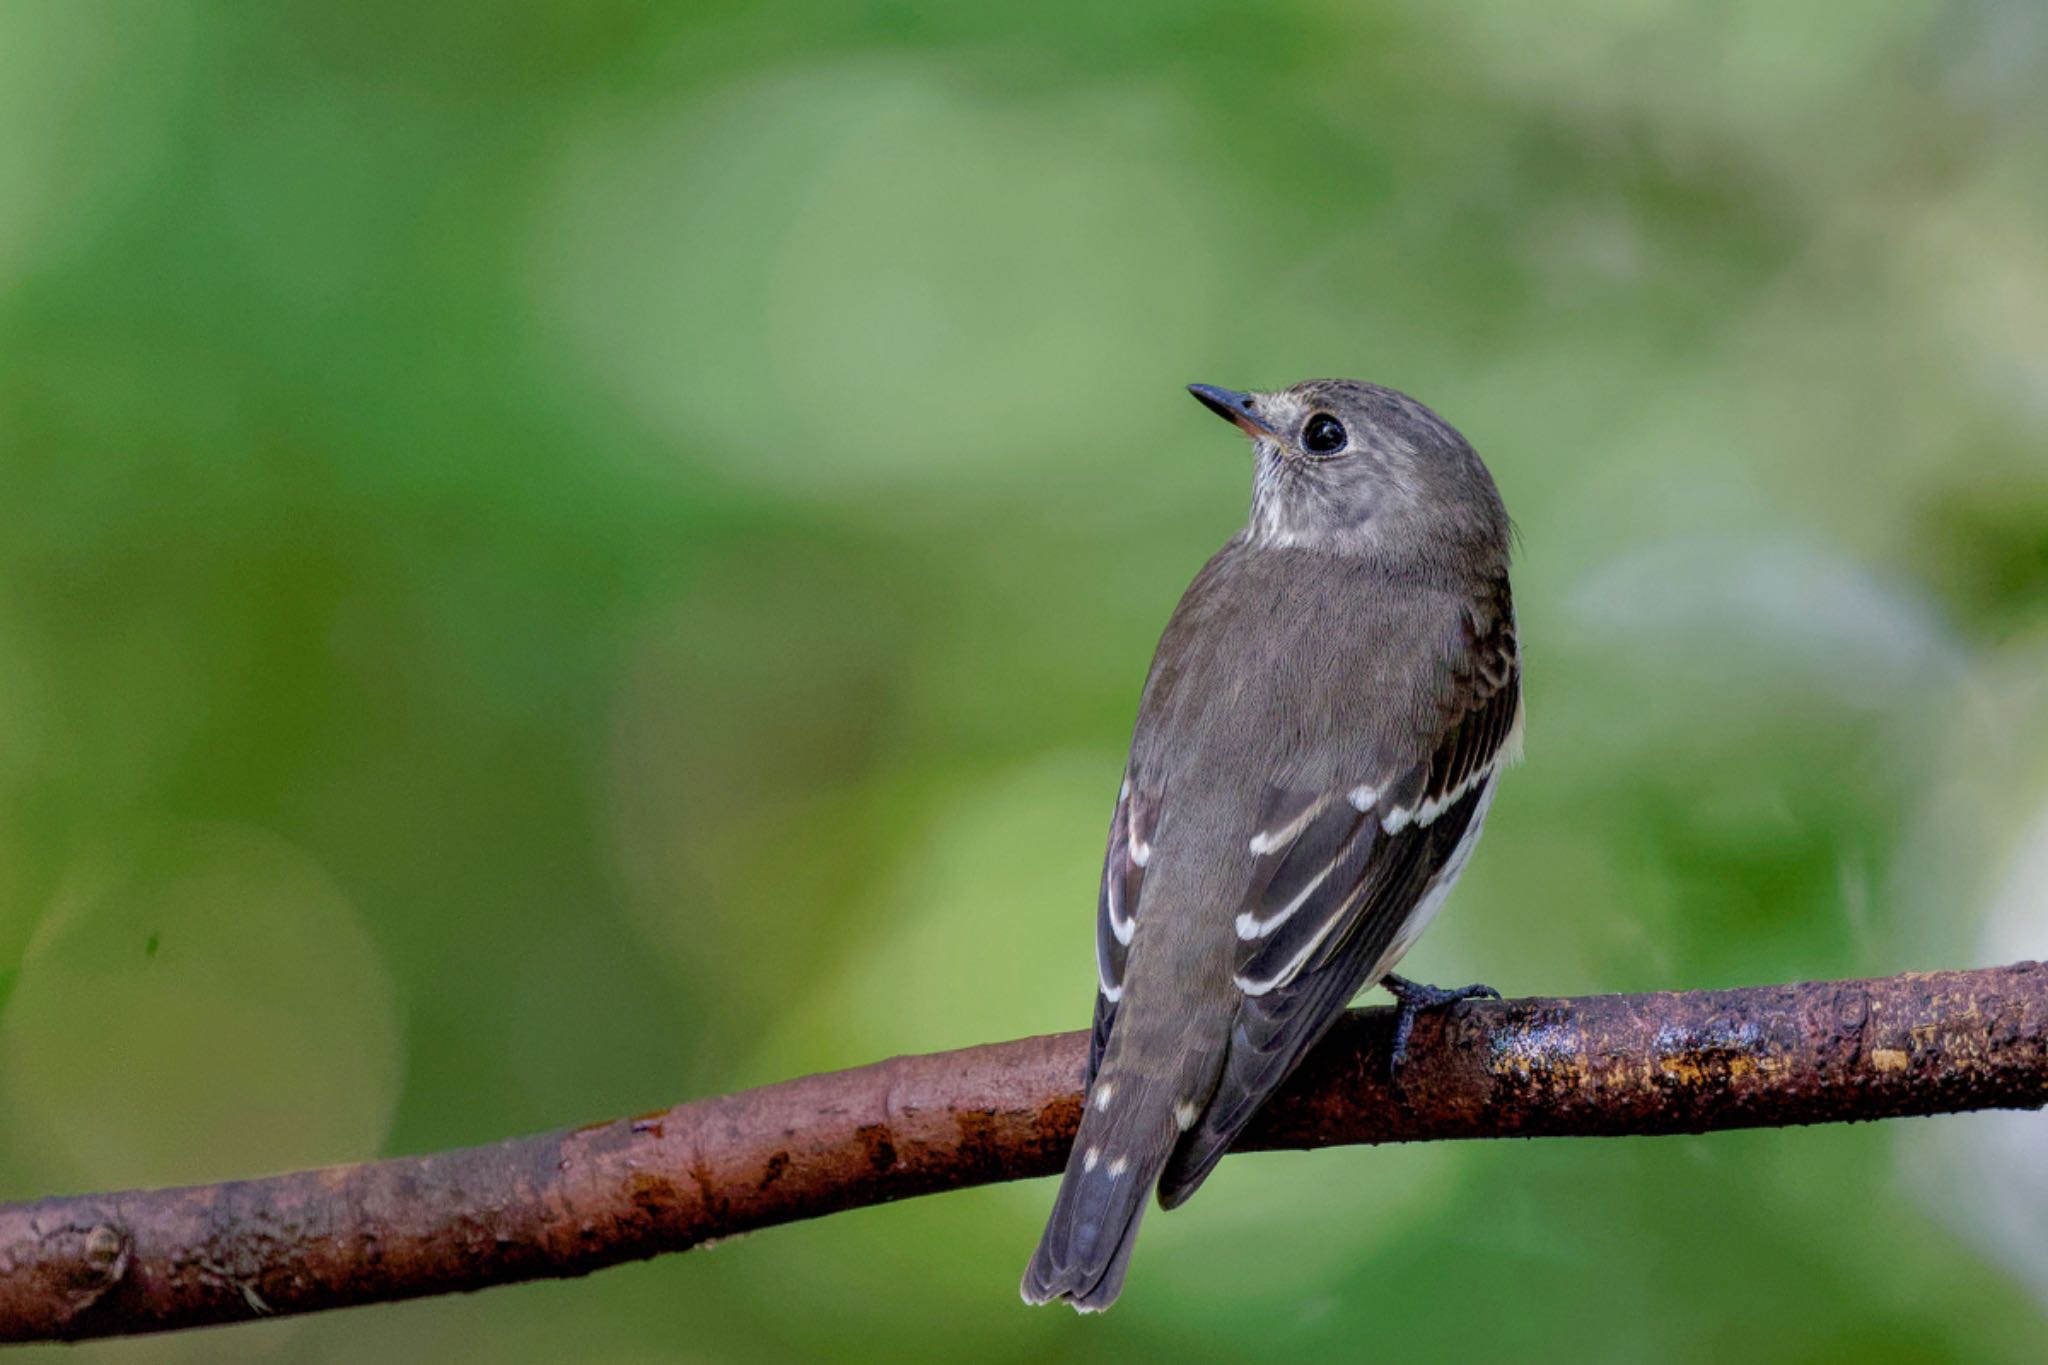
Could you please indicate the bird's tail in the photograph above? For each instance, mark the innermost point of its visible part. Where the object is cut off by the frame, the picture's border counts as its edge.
(1126, 1132)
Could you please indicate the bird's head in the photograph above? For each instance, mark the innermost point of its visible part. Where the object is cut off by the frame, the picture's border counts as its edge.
(1354, 468)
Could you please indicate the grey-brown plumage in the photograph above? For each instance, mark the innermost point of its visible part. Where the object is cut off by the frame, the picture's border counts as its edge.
(1317, 744)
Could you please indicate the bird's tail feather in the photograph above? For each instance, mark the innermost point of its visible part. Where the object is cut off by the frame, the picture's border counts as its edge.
(1126, 1133)
(1087, 1244)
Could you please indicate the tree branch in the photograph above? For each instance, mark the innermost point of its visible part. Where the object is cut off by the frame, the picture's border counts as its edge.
(568, 1203)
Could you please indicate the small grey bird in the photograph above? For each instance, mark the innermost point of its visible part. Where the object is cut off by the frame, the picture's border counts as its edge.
(1319, 739)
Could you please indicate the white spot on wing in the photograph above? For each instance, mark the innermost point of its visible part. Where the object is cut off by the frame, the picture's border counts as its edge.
(1112, 990)
(1361, 798)
(1185, 1113)
(1103, 1093)
(1141, 849)
(1105, 971)
(1510, 751)
(1272, 840)
(1418, 918)
(1120, 924)
(1294, 964)
(1119, 1166)
(1439, 886)
(1090, 1157)
(1250, 927)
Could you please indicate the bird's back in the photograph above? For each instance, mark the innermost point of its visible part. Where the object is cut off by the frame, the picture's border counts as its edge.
(1268, 668)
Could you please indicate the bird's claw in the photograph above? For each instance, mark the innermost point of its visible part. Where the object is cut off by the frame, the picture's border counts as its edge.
(1412, 998)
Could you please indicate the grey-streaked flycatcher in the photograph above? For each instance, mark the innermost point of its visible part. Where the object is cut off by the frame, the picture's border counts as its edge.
(1318, 741)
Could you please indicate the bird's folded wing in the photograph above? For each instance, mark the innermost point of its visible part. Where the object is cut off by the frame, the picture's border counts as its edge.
(1337, 877)
(1131, 829)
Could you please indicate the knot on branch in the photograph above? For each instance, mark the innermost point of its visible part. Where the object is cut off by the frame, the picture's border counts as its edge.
(69, 1266)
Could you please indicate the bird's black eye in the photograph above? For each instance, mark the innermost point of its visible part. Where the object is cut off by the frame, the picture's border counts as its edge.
(1323, 434)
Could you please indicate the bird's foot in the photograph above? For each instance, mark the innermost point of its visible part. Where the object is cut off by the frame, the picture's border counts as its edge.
(1412, 998)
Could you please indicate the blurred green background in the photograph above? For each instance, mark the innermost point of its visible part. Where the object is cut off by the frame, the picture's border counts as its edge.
(556, 557)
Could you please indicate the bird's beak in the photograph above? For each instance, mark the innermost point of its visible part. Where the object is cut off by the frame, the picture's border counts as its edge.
(1234, 407)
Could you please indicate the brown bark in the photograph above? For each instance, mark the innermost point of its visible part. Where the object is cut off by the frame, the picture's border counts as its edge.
(571, 1202)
